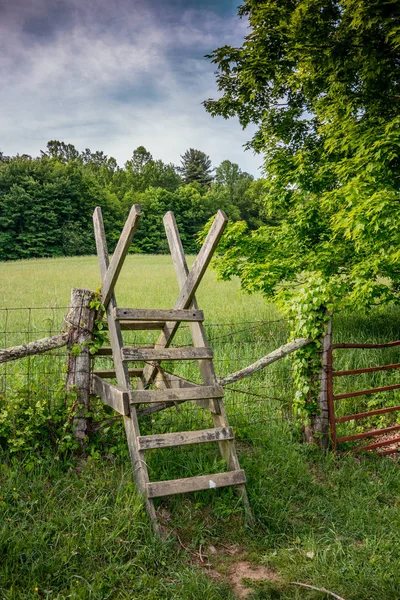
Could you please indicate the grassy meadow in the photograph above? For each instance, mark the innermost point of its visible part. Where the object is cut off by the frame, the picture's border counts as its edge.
(73, 526)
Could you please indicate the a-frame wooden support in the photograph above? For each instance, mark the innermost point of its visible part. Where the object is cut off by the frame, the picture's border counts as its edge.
(171, 389)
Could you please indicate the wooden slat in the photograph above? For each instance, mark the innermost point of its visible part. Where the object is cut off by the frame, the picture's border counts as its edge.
(110, 394)
(107, 350)
(177, 394)
(156, 354)
(175, 381)
(113, 270)
(110, 373)
(131, 424)
(192, 282)
(136, 314)
(195, 484)
(104, 351)
(141, 325)
(184, 438)
(127, 325)
(220, 419)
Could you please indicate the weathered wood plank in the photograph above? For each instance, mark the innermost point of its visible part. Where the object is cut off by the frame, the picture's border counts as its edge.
(104, 351)
(131, 424)
(192, 282)
(176, 394)
(136, 314)
(110, 373)
(141, 325)
(156, 354)
(197, 329)
(110, 394)
(127, 325)
(183, 438)
(108, 351)
(111, 275)
(218, 413)
(175, 381)
(195, 484)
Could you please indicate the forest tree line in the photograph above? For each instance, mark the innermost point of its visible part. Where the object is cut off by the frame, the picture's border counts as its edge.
(46, 202)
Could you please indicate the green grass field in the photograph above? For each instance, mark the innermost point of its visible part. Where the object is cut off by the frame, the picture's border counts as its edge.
(73, 527)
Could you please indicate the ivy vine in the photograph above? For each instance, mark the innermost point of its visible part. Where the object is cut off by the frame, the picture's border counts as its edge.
(309, 309)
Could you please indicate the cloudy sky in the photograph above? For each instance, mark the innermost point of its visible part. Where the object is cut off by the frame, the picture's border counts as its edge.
(112, 75)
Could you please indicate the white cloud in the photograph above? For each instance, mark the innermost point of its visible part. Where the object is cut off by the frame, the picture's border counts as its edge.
(114, 80)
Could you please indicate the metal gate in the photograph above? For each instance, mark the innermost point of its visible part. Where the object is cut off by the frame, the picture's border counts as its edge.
(332, 398)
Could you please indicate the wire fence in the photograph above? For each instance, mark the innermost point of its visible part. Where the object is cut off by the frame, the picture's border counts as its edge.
(263, 398)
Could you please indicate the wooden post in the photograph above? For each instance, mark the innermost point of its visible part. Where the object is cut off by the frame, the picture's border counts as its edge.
(80, 323)
(321, 421)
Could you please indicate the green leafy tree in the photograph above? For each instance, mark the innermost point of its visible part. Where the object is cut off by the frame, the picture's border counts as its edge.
(143, 172)
(196, 167)
(320, 81)
(192, 208)
(46, 208)
(61, 151)
(237, 193)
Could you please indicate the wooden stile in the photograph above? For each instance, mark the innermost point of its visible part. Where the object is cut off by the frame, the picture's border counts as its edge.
(171, 390)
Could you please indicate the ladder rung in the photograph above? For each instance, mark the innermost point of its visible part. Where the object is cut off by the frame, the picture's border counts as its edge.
(195, 484)
(183, 438)
(127, 325)
(107, 350)
(144, 314)
(104, 351)
(110, 373)
(156, 354)
(200, 392)
(141, 325)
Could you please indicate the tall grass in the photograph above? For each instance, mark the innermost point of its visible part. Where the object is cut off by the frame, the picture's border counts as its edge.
(75, 528)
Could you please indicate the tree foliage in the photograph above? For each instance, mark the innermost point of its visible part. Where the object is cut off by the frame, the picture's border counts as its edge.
(46, 203)
(196, 167)
(320, 80)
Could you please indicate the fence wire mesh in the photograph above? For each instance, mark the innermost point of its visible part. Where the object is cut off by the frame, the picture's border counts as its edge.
(263, 398)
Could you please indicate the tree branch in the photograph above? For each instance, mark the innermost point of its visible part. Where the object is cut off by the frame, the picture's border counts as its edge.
(36, 347)
(264, 361)
(312, 587)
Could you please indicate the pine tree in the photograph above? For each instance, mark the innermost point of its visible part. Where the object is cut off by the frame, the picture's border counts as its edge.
(196, 166)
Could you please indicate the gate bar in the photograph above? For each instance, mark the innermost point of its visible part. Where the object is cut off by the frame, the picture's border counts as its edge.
(366, 434)
(370, 413)
(386, 388)
(377, 445)
(366, 370)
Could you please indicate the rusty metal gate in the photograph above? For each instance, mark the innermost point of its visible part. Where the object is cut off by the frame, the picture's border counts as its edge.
(332, 398)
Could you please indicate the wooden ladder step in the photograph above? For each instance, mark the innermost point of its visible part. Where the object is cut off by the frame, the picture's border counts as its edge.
(200, 392)
(107, 350)
(110, 373)
(184, 438)
(156, 354)
(128, 325)
(195, 484)
(144, 314)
